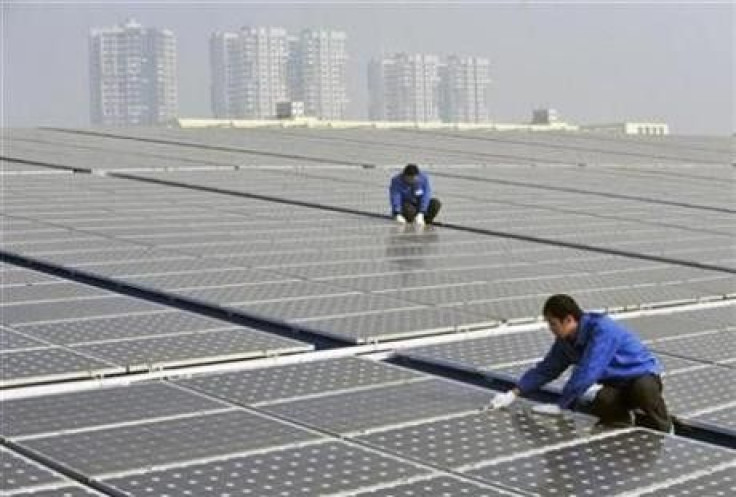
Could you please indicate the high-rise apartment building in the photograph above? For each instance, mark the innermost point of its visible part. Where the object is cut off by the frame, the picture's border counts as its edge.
(424, 88)
(249, 72)
(405, 87)
(465, 85)
(320, 60)
(132, 75)
(255, 69)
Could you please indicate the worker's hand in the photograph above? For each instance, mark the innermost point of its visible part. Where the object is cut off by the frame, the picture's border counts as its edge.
(547, 409)
(419, 220)
(590, 393)
(502, 400)
(400, 219)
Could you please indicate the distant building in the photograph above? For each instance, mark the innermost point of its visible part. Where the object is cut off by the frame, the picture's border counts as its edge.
(226, 75)
(423, 89)
(405, 87)
(465, 85)
(132, 75)
(629, 128)
(255, 69)
(545, 116)
(319, 66)
(249, 72)
(289, 110)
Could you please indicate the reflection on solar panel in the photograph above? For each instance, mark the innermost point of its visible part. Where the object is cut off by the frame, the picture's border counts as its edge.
(214, 251)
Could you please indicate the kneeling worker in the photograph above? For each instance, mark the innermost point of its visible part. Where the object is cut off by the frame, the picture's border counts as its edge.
(613, 369)
(411, 199)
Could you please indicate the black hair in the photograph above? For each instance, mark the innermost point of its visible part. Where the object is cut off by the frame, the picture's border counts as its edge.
(411, 170)
(560, 306)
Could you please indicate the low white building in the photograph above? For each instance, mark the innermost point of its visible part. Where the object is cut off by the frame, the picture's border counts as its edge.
(629, 128)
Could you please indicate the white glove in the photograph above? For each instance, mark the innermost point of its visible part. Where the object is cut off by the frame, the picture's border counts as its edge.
(591, 392)
(501, 400)
(547, 409)
(400, 219)
(419, 219)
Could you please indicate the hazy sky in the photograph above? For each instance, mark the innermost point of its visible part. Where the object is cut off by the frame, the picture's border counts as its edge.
(593, 61)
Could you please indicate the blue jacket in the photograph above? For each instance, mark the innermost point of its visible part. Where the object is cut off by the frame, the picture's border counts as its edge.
(419, 193)
(602, 349)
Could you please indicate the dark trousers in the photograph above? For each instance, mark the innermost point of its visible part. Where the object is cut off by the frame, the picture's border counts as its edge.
(614, 402)
(410, 211)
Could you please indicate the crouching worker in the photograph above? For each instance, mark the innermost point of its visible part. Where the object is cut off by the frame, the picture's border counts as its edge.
(411, 199)
(613, 369)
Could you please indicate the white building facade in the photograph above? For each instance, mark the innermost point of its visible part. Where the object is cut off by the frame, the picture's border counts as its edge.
(405, 87)
(132, 75)
(257, 68)
(320, 64)
(249, 72)
(465, 90)
(424, 88)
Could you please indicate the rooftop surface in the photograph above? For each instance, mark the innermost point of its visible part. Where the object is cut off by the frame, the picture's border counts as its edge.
(233, 312)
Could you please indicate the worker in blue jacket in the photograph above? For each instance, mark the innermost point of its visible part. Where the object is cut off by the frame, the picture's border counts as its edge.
(411, 198)
(613, 369)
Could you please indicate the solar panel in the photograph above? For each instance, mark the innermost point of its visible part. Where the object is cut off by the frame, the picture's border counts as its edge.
(724, 418)
(50, 364)
(71, 309)
(191, 348)
(484, 353)
(21, 277)
(50, 292)
(700, 389)
(716, 483)
(395, 324)
(279, 383)
(315, 469)
(10, 340)
(140, 446)
(87, 409)
(162, 322)
(464, 441)
(19, 472)
(360, 279)
(301, 310)
(440, 485)
(388, 405)
(60, 491)
(717, 347)
(608, 466)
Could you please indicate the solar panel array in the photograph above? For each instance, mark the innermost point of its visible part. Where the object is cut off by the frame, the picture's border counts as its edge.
(698, 368)
(186, 248)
